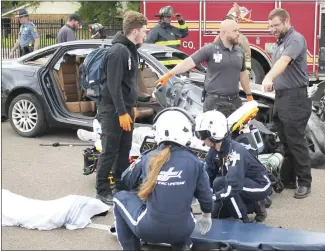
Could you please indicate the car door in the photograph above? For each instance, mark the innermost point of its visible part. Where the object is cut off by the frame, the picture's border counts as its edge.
(51, 90)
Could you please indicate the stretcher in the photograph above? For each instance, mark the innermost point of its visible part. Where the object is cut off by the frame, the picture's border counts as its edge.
(253, 237)
(258, 237)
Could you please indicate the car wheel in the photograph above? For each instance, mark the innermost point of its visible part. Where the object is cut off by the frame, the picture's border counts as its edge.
(257, 74)
(315, 135)
(27, 116)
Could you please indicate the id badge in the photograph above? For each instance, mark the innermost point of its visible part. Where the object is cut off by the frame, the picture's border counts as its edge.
(217, 57)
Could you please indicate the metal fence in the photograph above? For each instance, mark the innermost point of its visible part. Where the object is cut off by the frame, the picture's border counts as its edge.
(47, 31)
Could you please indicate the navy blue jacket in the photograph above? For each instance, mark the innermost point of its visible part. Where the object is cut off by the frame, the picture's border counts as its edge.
(238, 164)
(181, 178)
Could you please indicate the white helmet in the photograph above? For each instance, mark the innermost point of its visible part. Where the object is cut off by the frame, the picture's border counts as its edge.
(212, 125)
(174, 124)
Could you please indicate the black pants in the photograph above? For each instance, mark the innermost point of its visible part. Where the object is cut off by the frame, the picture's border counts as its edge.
(116, 146)
(222, 104)
(291, 114)
(26, 50)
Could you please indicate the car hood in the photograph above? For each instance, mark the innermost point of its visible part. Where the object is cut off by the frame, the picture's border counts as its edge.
(9, 63)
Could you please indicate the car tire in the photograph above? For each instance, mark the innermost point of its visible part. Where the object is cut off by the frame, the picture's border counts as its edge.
(315, 135)
(258, 71)
(35, 123)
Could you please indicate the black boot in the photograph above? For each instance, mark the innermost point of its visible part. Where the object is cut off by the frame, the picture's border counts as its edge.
(268, 202)
(247, 220)
(108, 199)
(260, 210)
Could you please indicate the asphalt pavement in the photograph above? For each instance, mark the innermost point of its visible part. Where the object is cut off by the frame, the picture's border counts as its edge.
(48, 173)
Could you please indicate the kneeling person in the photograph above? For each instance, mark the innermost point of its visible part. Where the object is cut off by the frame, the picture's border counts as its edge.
(166, 180)
(243, 180)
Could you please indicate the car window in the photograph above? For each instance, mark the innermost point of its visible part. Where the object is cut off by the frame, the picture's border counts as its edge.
(77, 54)
(40, 59)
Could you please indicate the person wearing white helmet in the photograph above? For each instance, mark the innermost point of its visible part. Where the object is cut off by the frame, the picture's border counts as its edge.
(240, 181)
(161, 185)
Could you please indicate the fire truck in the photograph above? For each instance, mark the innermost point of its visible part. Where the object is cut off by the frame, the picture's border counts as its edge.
(204, 18)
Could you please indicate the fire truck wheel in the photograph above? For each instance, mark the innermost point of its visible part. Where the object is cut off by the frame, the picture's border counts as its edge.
(258, 73)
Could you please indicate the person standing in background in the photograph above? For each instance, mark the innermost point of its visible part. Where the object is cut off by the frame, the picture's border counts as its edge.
(166, 34)
(68, 32)
(292, 107)
(28, 39)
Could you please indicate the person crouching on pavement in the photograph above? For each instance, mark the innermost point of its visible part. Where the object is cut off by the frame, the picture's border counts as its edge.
(165, 180)
(116, 105)
(244, 179)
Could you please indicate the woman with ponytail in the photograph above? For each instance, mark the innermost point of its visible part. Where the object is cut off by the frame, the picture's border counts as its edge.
(161, 185)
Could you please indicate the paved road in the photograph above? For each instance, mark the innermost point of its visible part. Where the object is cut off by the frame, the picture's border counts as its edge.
(48, 173)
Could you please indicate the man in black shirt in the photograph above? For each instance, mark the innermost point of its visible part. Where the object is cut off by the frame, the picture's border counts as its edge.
(116, 107)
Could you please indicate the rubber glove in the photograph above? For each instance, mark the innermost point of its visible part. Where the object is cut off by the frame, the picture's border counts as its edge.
(205, 223)
(164, 79)
(135, 113)
(249, 98)
(125, 122)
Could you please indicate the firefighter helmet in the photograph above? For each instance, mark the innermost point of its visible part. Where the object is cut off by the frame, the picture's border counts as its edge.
(94, 28)
(166, 11)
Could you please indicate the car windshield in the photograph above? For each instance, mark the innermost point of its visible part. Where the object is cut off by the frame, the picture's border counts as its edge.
(171, 59)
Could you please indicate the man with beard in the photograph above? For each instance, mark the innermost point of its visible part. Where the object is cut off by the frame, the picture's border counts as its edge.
(68, 31)
(226, 67)
(288, 77)
(116, 105)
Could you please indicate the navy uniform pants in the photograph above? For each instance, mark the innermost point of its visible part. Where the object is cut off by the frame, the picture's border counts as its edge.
(242, 203)
(133, 223)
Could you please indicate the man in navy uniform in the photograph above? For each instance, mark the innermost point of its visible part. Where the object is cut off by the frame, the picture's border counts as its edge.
(28, 39)
(243, 184)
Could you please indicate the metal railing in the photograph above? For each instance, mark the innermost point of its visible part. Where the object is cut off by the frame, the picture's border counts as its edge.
(47, 31)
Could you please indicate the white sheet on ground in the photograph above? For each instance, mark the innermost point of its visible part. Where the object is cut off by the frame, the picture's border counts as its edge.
(72, 211)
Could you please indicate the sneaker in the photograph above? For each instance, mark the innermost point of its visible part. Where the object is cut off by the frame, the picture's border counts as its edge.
(108, 200)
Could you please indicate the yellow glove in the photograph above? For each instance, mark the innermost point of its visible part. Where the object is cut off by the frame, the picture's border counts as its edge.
(135, 113)
(249, 97)
(164, 79)
(125, 122)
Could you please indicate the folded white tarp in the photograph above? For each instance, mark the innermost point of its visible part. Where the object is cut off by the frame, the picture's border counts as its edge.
(72, 211)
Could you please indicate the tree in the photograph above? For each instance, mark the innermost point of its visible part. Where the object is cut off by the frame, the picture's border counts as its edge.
(8, 5)
(105, 12)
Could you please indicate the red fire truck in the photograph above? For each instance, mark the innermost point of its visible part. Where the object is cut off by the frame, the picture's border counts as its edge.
(204, 18)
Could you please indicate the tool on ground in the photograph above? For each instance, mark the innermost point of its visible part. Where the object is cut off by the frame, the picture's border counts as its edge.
(56, 144)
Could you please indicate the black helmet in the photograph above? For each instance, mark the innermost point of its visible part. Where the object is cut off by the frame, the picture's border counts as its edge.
(166, 11)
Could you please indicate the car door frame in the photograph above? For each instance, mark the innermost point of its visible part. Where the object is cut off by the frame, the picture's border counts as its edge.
(55, 101)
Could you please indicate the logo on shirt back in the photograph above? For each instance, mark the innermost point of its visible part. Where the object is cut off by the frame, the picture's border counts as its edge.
(164, 176)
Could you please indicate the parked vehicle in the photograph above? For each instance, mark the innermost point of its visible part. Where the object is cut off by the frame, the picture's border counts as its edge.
(40, 90)
(204, 17)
